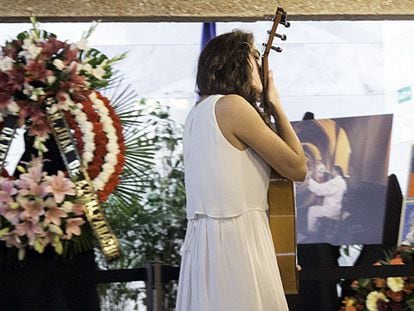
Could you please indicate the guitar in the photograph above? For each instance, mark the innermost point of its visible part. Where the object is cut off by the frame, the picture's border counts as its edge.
(281, 196)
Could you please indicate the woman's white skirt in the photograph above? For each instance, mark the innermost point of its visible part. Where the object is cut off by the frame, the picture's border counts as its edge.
(229, 264)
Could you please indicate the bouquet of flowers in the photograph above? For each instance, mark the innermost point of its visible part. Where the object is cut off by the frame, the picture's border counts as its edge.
(37, 209)
(378, 294)
(37, 65)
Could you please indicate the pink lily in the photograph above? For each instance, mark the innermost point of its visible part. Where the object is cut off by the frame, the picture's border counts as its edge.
(12, 215)
(30, 229)
(7, 190)
(33, 175)
(32, 209)
(12, 239)
(73, 227)
(54, 213)
(60, 186)
(78, 209)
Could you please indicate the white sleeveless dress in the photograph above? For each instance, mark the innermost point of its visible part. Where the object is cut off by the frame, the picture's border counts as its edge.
(228, 260)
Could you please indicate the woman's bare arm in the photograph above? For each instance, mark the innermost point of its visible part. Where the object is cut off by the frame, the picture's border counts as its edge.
(238, 120)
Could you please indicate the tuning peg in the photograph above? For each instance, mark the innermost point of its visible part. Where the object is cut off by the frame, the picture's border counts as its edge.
(282, 37)
(284, 22)
(276, 48)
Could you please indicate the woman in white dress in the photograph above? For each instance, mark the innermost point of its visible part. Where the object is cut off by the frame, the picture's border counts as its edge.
(228, 261)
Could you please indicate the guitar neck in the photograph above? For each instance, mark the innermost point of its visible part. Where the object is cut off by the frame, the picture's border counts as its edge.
(265, 104)
(267, 115)
(280, 17)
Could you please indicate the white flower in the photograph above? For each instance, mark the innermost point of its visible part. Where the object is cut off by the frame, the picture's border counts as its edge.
(98, 184)
(58, 64)
(36, 93)
(112, 136)
(104, 175)
(89, 147)
(67, 206)
(396, 284)
(93, 97)
(372, 299)
(99, 104)
(33, 97)
(98, 72)
(87, 156)
(31, 50)
(50, 79)
(111, 158)
(113, 148)
(73, 46)
(6, 63)
(111, 129)
(87, 126)
(53, 109)
(13, 107)
(33, 35)
(82, 44)
(39, 143)
(107, 167)
(27, 43)
(89, 136)
(27, 89)
(81, 118)
(63, 106)
(87, 68)
(105, 119)
(112, 170)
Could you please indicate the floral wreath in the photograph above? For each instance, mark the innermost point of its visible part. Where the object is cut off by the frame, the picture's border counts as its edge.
(382, 294)
(37, 209)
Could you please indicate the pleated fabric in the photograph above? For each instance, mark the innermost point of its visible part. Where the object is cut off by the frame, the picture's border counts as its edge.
(228, 264)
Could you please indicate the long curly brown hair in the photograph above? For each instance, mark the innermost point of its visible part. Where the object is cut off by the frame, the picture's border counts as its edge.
(224, 66)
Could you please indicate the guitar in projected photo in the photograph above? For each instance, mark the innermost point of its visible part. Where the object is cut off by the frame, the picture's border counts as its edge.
(281, 196)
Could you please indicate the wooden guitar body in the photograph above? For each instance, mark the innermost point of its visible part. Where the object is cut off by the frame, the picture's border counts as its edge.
(282, 220)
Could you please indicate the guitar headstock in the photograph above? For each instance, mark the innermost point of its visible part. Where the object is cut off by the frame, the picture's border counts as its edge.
(279, 18)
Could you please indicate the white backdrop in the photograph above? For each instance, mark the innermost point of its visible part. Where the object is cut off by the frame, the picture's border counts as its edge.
(334, 69)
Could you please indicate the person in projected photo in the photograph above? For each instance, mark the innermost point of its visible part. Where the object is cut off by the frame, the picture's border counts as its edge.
(228, 261)
(332, 192)
(320, 171)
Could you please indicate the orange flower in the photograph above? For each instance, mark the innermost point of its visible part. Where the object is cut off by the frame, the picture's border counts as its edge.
(396, 261)
(349, 304)
(380, 283)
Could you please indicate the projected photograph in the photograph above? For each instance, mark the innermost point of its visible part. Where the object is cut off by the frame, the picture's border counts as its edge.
(407, 230)
(342, 200)
(407, 223)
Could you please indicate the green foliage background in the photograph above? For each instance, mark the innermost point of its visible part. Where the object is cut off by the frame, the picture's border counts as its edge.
(150, 224)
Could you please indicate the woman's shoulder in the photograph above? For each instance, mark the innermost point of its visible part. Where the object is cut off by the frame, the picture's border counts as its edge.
(233, 105)
(233, 98)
